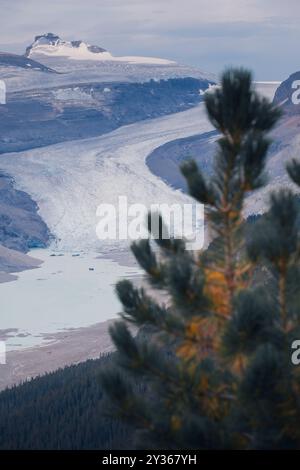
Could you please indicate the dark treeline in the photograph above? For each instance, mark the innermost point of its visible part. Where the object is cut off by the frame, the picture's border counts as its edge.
(61, 410)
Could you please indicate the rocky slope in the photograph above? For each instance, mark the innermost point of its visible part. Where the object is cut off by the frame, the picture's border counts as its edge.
(165, 161)
(12, 261)
(21, 227)
(288, 95)
(42, 117)
(14, 60)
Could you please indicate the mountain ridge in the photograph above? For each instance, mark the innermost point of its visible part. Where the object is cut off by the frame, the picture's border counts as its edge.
(52, 45)
(15, 60)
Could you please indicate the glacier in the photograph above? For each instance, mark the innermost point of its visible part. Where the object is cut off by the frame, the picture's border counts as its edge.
(69, 180)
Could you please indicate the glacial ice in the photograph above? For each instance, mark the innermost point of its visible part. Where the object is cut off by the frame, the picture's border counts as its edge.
(69, 180)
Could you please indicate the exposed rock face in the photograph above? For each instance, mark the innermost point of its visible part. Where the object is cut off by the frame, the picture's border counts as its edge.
(21, 227)
(165, 160)
(42, 117)
(288, 95)
(49, 39)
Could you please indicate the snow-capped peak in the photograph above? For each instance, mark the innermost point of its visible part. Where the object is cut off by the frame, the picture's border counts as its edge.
(52, 45)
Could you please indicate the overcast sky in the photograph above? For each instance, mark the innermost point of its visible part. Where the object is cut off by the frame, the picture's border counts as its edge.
(261, 34)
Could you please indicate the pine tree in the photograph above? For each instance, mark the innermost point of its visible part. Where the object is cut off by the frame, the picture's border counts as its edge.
(211, 367)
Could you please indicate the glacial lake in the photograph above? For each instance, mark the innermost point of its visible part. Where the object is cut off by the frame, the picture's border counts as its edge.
(69, 290)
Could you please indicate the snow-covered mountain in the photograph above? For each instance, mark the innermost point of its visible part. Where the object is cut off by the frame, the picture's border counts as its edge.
(53, 46)
(91, 92)
(39, 117)
(286, 142)
(288, 95)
